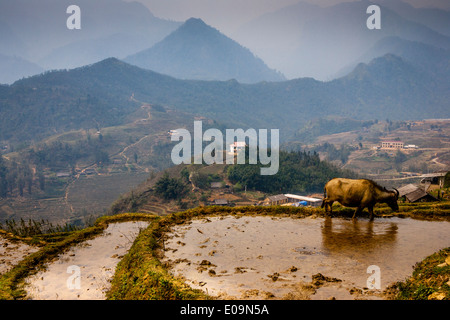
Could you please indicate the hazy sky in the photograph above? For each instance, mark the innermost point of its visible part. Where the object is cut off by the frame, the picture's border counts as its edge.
(228, 15)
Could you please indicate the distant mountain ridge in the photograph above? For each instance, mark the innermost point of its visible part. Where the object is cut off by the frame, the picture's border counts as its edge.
(314, 41)
(13, 68)
(427, 57)
(198, 51)
(300, 40)
(36, 31)
(99, 95)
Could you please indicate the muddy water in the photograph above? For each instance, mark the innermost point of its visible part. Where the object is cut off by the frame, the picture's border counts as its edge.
(259, 257)
(85, 271)
(11, 252)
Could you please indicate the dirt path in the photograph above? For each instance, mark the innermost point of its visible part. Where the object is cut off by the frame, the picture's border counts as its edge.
(66, 193)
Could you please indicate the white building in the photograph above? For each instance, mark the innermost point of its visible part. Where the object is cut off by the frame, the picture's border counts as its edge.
(237, 146)
(392, 145)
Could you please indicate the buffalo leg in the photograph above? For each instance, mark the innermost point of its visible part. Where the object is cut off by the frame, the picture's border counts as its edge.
(370, 208)
(324, 204)
(357, 211)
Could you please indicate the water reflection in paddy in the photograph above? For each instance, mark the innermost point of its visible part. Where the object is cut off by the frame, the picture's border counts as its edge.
(266, 257)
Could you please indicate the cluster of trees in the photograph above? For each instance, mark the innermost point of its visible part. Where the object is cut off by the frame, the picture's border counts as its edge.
(333, 153)
(299, 172)
(202, 180)
(29, 228)
(60, 155)
(170, 188)
(15, 177)
(27, 171)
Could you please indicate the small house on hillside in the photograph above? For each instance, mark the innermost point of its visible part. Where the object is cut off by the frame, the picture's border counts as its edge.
(436, 178)
(237, 146)
(392, 145)
(220, 202)
(216, 185)
(64, 174)
(412, 193)
(90, 171)
(275, 200)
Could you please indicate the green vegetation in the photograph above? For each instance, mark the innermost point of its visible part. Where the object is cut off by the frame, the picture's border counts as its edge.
(430, 279)
(26, 172)
(15, 177)
(299, 172)
(32, 228)
(141, 276)
(58, 155)
(447, 180)
(170, 188)
(188, 186)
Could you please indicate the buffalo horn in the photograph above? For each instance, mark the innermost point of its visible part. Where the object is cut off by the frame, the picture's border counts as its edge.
(396, 191)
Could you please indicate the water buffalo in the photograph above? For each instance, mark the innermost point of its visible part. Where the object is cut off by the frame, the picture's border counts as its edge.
(358, 193)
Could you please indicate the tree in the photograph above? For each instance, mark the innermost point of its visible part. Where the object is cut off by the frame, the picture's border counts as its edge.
(101, 157)
(299, 172)
(41, 179)
(400, 157)
(170, 188)
(447, 180)
(3, 181)
(20, 185)
(200, 180)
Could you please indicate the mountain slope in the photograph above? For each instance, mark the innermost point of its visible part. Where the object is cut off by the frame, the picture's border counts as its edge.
(198, 51)
(13, 68)
(109, 28)
(394, 88)
(434, 18)
(427, 57)
(317, 42)
(99, 95)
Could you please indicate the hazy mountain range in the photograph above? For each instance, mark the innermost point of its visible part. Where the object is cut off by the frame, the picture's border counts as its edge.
(307, 40)
(301, 40)
(36, 31)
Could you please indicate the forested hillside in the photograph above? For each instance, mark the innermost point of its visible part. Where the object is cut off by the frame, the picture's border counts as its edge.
(104, 94)
(299, 172)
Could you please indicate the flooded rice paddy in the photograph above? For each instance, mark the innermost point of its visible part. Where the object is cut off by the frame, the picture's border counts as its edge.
(84, 272)
(11, 252)
(262, 257)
